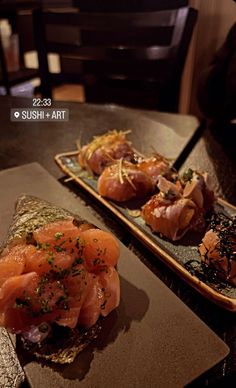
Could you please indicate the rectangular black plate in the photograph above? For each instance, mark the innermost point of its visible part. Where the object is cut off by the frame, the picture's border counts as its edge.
(152, 339)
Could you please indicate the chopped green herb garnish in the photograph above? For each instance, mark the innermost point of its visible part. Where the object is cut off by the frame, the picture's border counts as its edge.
(58, 235)
(50, 260)
(188, 175)
(43, 246)
(58, 248)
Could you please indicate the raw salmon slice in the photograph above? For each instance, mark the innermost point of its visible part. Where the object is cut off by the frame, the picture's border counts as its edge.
(99, 248)
(110, 286)
(61, 285)
(60, 236)
(43, 261)
(13, 262)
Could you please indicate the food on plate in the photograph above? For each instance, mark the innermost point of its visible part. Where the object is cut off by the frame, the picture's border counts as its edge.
(105, 149)
(156, 166)
(180, 205)
(57, 278)
(198, 188)
(123, 181)
(168, 212)
(218, 247)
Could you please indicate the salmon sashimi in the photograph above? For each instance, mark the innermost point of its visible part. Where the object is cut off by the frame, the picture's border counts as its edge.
(167, 212)
(99, 249)
(13, 263)
(218, 247)
(123, 181)
(62, 272)
(105, 294)
(105, 149)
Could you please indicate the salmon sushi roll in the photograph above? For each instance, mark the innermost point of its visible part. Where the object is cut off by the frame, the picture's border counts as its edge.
(104, 150)
(123, 181)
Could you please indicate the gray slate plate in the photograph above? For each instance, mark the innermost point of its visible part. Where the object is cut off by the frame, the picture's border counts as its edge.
(182, 256)
(152, 340)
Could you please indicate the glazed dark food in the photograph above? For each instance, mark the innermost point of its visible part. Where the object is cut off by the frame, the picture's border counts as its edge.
(179, 206)
(57, 275)
(218, 247)
(104, 150)
(123, 181)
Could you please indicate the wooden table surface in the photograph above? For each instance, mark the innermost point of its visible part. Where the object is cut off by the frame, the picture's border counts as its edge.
(22, 143)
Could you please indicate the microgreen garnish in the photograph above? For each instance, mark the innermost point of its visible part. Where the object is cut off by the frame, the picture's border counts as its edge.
(188, 175)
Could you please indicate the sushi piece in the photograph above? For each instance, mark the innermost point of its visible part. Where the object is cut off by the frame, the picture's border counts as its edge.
(197, 188)
(123, 181)
(104, 150)
(57, 278)
(218, 247)
(155, 167)
(182, 204)
(167, 212)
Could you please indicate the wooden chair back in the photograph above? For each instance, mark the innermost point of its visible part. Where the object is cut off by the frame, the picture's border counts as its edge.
(132, 58)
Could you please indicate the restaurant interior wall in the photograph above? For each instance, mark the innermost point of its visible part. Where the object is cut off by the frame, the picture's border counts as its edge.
(215, 18)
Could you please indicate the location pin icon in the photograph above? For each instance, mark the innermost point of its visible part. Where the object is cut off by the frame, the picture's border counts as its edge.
(17, 114)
